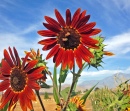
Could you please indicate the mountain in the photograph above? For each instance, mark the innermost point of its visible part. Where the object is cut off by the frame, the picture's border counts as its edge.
(110, 82)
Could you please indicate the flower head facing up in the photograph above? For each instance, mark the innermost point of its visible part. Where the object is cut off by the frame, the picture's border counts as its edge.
(18, 80)
(69, 39)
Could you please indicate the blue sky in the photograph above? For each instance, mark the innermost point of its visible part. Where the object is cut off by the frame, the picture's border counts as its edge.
(21, 19)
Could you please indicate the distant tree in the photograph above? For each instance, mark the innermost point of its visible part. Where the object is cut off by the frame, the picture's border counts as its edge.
(85, 90)
(97, 88)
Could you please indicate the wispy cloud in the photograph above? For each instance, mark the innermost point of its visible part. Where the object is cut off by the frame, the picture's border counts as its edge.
(119, 44)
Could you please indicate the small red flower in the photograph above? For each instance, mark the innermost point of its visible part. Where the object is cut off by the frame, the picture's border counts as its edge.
(18, 80)
(69, 39)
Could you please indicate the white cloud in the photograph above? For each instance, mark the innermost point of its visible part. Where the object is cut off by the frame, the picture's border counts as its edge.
(119, 44)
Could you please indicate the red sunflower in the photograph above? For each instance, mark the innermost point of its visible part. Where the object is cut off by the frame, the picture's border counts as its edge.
(18, 80)
(69, 39)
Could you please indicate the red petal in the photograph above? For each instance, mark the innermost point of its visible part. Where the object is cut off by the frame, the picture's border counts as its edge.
(52, 22)
(3, 77)
(51, 27)
(7, 99)
(47, 33)
(30, 65)
(59, 57)
(33, 85)
(10, 51)
(83, 21)
(82, 15)
(85, 57)
(22, 100)
(36, 70)
(4, 85)
(65, 59)
(87, 27)
(75, 17)
(29, 104)
(35, 76)
(86, 51)
(53, 52)
(68, 17)
(92, 32)
(5, 69)
(8, 59)
(48, 41)
(7, 92)
(89, 40)
(30, 94)
(25, 59)
(48, 47)
(17, 57)
(71, 59)
(59, 18)
(78, 58)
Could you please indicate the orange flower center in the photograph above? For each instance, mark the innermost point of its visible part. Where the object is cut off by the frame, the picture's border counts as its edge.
(18, 79)
(69, 38)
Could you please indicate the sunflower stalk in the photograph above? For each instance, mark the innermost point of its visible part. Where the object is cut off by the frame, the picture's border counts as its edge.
(38, 95)
(74, 81)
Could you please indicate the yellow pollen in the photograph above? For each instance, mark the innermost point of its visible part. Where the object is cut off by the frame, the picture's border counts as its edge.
(67, 34)
(64, 39)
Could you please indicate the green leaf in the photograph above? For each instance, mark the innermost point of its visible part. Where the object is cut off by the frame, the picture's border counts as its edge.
(55, 94)
(84, 97)
(5, 108)
(63, 75)
(44, 85)
(64, 93)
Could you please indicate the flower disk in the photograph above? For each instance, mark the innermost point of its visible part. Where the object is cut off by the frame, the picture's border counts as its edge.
(70, 39)
(18, 79)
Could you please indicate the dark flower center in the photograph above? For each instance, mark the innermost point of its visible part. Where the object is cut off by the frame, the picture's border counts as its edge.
(69, 38)
(18, 79)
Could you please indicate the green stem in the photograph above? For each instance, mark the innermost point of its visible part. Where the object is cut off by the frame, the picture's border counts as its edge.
(54, 85)
(38, 95)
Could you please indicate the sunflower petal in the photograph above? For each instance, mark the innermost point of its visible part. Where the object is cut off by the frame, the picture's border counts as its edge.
(30, 65)
(70, 59)
(22, 100)
(85, 57)
(47, 33)
(59, 57)
(47, 47)
(35, 76)
(87, 27)
(36, 70)
(75, 17)
(86, 51)
(5, 69)
(53, 52)
(68, 17)
(8, 59)
(48, 41)
(92, 32)
(78, 58)
(51, 27)
(4, 85)
(83, 21)
(59, 18)
(7, 99)
(17, 57)
(52, 22)
(30, 94)
(25, 60)
(10, 51)
(33, 85)
(65, 59)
